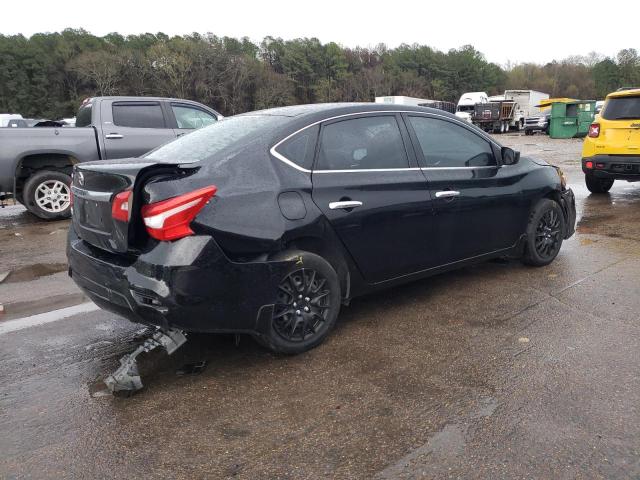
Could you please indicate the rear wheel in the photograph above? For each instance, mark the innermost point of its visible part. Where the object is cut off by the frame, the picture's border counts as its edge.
(598, 185)
(47, 194)
(307, 302)
(545, 232)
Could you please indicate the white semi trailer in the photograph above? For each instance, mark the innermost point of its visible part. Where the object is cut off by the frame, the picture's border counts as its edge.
(525, 105)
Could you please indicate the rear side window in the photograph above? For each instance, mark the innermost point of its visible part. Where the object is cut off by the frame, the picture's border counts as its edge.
(622, 108)
(300, 148)
(138, 115)
(445, 144)
(362, 143)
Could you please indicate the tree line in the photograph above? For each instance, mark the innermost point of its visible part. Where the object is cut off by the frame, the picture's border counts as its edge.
(49, 74)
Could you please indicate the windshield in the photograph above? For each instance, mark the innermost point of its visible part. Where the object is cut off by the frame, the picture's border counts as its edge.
(622, 108)
(206, 142)
(466, 108)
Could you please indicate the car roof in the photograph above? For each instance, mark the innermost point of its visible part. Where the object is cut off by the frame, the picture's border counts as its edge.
(320, 111)
(125, 98)
(631, 92)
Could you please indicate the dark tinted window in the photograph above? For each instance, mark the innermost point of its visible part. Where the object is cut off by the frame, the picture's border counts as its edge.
(623, 108)
(191, 117)
(301, 147)
(138, 115)
(203, 144)
(362, 143)
(83, 119)
(445, 144)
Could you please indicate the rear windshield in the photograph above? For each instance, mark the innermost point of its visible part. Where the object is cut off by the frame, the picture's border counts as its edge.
(83, 119)
(622, 108)
(206, 142)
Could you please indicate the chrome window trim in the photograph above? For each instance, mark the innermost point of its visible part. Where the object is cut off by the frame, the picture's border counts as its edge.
(290, 163)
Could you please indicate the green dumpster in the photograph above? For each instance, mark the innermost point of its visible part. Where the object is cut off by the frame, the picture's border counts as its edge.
(571, 119)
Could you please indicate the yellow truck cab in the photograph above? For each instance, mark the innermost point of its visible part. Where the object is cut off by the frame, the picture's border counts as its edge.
(611, 149)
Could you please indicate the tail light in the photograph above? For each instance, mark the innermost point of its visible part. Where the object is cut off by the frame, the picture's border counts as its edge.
(588, 164)
(121, 206)
(170, 219)
(594, 130)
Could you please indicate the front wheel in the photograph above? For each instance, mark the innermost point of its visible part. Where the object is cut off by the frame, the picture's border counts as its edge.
(545, 233)
(598, 185)
(306, 304)
(47, 194)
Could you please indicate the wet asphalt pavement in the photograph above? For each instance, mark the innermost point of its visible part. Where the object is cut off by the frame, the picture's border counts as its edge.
(493, 371)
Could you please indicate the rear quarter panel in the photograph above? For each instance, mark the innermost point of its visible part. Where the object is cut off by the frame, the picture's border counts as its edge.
(17, 143)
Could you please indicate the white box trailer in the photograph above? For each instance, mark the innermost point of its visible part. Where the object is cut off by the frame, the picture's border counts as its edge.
(402, 100)
(526, 101)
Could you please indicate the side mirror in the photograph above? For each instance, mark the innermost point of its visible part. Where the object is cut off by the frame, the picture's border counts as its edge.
(509, 156)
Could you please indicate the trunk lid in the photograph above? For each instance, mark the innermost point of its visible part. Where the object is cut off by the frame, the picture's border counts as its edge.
(620, 137)
(620, 125)
(94, 188)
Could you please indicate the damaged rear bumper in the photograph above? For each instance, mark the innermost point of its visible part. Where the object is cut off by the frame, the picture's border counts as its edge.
(188, 284)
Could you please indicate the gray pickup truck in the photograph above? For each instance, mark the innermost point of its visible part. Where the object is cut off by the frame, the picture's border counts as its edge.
(36, 163)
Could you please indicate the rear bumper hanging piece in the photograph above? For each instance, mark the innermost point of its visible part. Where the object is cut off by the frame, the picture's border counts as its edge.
(127, 377)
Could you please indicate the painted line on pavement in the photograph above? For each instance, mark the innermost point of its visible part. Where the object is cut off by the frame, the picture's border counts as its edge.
(47, 317)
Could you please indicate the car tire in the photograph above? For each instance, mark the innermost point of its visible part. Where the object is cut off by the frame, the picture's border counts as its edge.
(47, 194)
(598, 185)
(545, 232)
(307, 302)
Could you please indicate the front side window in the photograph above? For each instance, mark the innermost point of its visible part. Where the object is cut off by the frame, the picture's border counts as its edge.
(362, 143)
(138, 115)
(192, 118)
(445, 144)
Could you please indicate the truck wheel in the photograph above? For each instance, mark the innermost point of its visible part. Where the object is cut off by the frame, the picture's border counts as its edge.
(47, 194)
(598, 185)
(307, 302)
(545, 232)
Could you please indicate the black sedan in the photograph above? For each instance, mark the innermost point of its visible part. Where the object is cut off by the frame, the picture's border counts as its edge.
(267, 222)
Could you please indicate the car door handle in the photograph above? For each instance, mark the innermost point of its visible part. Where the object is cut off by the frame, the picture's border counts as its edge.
(447, 194)
(113, 136)
(345, 204)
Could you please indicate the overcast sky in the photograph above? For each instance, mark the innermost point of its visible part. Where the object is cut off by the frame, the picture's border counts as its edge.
(515, 31)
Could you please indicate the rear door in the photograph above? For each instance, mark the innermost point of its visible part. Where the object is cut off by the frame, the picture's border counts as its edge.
(367, 184)
(479, 205)
(190, 117)
(132, 128)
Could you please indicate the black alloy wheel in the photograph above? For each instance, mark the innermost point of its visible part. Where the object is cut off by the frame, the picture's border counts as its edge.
(303, 305)
(306, 304)
(548, 234)
(545, 233)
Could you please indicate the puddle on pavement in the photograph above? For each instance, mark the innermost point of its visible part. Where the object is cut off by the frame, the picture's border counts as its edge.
(33, 272)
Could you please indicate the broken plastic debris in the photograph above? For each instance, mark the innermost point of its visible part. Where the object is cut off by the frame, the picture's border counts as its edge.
(126, 379)
(523, 340)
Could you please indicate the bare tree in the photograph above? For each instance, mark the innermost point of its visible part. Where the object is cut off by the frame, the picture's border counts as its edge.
(99, 67)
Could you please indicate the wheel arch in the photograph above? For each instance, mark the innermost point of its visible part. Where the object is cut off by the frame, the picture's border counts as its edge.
(31, 163)
(330, 253)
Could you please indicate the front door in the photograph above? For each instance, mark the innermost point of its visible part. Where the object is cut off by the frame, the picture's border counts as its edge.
(479, 204)
(189, 118)
(366, 183)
